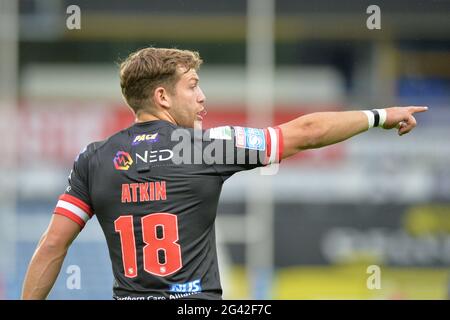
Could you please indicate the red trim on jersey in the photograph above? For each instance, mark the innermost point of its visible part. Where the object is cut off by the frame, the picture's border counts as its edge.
(70, 215)
(77, 202)
(268, 144)
(280, 142)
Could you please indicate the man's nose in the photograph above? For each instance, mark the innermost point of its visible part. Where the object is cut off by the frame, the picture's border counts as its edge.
(201, 97)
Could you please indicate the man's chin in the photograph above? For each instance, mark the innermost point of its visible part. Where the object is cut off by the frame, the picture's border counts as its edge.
(197, 124)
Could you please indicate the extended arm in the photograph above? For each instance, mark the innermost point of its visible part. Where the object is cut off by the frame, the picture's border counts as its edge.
(320, 129)
(48, 257)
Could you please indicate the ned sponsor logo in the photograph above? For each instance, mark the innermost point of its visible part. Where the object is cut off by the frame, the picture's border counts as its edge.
(154, 156)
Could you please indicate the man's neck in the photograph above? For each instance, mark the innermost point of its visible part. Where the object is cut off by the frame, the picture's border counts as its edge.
(145, 117)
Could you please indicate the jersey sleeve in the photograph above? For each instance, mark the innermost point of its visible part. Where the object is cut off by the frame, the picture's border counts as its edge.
(243, 148)
(75, 202)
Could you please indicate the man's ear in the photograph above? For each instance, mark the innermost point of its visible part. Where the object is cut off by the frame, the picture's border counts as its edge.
(161, 97)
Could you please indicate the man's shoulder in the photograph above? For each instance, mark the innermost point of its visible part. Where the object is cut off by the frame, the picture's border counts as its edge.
(95, 146)
(87, 152)
(117, 137)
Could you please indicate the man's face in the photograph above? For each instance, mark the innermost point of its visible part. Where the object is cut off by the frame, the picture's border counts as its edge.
(188, 100)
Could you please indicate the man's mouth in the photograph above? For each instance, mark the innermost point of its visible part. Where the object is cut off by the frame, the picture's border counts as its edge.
(201, 114)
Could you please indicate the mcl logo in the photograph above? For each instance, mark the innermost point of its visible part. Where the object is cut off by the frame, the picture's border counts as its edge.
(122, 160)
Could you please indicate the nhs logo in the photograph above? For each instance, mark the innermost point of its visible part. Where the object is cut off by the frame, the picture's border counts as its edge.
(193, 286)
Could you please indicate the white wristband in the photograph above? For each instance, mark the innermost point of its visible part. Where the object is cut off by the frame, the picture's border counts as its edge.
(383, 116)
(376, 117)
(370, 117)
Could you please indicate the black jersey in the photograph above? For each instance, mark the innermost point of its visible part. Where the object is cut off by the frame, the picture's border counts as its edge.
(154, 188)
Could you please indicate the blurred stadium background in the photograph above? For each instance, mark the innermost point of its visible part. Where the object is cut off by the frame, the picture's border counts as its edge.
(308, 232)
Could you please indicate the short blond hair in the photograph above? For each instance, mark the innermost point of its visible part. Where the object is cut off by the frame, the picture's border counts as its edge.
(145, 70)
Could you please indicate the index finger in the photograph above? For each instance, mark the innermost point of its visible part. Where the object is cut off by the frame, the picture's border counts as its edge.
(414, 109)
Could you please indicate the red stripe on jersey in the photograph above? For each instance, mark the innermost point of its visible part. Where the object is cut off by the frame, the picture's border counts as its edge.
(280, 142)
(268, 145)
(70, 215)
(77, 202)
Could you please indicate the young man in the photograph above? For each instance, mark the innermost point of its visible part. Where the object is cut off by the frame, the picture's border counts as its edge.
(157, 205)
